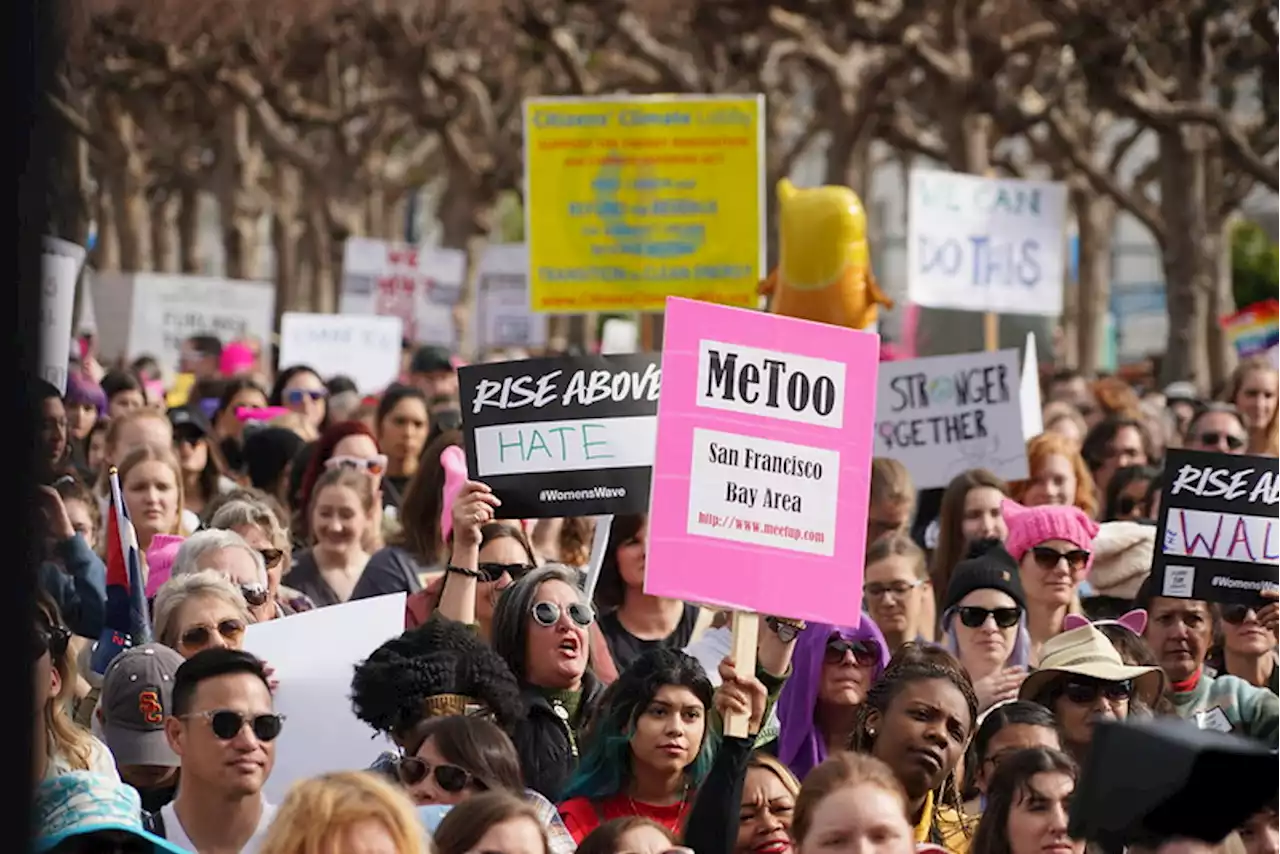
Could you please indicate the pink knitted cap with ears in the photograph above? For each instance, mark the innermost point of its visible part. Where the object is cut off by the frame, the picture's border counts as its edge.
(454, 462)
(160, 556)
(1031, 526)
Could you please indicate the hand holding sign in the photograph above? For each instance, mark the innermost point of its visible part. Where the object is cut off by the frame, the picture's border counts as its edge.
(472, 510)
(741, 695)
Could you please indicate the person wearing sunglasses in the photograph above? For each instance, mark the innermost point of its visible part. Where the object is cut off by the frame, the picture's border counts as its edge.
(1126, 496)
(198, 611)
(226, 552)
(1082, 679)
(984, 625)
(833, 667)
(258, 519)
(223, 727)
(1246, 643)
(1053, 546)
(1218, 427)
(447, 760)
(300, 389)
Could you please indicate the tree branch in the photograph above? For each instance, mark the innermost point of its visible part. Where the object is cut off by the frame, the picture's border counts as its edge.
(78, 123)
(675, 66)
(277, 133)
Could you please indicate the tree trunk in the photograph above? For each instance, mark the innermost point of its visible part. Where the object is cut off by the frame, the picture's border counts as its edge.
(164, 231)
(106, 254)
(286, 235)
(190, 261)
(1095, 224)
(128, 177)
(1222, 303)
(238, 177)
(1187, 270)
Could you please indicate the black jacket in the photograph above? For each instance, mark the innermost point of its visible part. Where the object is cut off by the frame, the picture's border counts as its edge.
(548, 744)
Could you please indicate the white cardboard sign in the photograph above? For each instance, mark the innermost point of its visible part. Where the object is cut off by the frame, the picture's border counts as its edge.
(418, 284)
(943, 415)
(503, 318)
(364, 348)
(60, 266)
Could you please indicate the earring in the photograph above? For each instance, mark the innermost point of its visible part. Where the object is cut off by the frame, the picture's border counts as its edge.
(871, 732)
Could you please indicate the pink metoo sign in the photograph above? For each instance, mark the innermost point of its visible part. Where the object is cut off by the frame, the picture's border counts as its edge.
(763, 463)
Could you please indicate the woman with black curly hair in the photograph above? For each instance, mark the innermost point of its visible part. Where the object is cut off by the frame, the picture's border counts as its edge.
(440, 668)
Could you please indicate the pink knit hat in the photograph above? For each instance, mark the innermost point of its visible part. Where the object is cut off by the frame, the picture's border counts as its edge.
(160, 555)
(1031, 526)
(237, 358)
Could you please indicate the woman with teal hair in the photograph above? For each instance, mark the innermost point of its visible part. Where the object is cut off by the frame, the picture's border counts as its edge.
(648, 748)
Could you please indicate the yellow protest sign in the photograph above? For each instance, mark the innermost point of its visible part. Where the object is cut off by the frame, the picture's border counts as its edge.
(629, 200)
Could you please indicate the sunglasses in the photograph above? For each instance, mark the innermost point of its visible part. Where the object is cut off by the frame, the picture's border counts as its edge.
(1237, 614)
(1212, 437)
(547, 614)
(491, 572)
(370, 465)
(876, 590)
(1047, 558)
(865, 653)
(255, 595)
(294, 396)
(227, 724)
(271, 557)
(230, 630)
(974, 617)
(50, 639)
(1083, 690)
(450, 778)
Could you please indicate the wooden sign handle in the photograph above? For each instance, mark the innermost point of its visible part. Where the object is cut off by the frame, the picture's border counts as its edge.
(746, 636)
(991, 331)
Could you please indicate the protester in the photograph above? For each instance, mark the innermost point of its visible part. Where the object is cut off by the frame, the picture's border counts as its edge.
(81, 811)
(632, 621)
(56, 450)
(1252, 389)
(73, 577)
(151, 486)
(204, 471)
(402, 425)
(124, 392)
(1122, 555)
(892, 500)
(1062, 419)
(896, 591)
(199, 611)
(240, 395)
(347, 445)
(1058, 476)
(223, 729)
(85, 404)
(200, 356)
(344, 811)
(268, 457)
(1007, 729)
(853, 802)
(1126, 492)
(1071, 386)
(1114, 443)
(971, 511)
(1027, 806)
(633, 834)
(253, 517)
(137, 694)
(340, 515)
(227, 553)
(493, 823)
(431, 371)
(1217, 427)
(1245, 645)
(344, 398)
(833, 669)
(301, 390)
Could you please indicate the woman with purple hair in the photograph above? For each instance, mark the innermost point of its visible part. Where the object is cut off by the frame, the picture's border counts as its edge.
(832, 669)
(85, 402)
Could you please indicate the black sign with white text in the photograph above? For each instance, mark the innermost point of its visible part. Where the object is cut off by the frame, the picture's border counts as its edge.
(1218, 536)
(565, 436)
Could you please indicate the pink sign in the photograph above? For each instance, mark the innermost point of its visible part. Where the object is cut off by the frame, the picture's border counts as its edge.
(763, 463)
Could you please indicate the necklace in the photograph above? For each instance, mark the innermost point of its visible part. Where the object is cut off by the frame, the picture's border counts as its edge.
(683, 805)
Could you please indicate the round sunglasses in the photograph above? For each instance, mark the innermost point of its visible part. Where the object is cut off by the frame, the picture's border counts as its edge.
(1047, 558)
(227, 724)
(975, 617)
(865, 653)
(547, 614)
(1084, 690)
(450, 778)
(230, 630)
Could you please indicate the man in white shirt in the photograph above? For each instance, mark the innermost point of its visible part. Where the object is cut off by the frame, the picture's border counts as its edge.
(223, 728)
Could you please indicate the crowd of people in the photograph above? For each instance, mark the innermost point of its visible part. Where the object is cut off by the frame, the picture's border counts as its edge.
(1002, 622)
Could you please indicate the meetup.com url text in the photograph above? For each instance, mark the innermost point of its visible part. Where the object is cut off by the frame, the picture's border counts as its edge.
(787, 532)
(595, 493)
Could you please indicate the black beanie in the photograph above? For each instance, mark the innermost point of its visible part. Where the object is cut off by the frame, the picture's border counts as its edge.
(994, 569)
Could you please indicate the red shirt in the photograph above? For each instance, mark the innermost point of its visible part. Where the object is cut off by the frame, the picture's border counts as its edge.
(582, 815)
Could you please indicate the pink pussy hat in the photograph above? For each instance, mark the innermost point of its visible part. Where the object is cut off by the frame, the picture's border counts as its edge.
(160, 555)
(237, 357)
(1031, 526)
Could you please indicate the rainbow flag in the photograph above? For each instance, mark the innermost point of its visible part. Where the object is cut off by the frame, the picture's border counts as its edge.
(1254, 330)
(128, 619)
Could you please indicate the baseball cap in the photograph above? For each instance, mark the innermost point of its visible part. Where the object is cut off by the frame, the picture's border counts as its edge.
(137, 693)
(1180, 391)
(190, 417)
(430, 359)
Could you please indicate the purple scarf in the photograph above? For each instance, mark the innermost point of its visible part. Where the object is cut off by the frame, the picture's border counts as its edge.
(801, 746)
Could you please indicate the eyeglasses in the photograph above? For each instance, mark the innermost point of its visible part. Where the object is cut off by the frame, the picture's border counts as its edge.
(227, 724)
(230, 630)
(411, 770)
(295, 396)
(1237, 614)
(865, 653)
(547, 614)
(271, 557)
(877, 590)
(1083, 690)
(1213, 437)
(255, 595)
(491, 572)
(1047, 558)
(370, 465)
(50, 639)
(975, 617)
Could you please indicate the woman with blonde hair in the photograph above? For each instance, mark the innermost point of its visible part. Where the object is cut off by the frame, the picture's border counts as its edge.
(151, 486)
(198, 611)
(1252, 389)
(345, 811)
(1058, 475)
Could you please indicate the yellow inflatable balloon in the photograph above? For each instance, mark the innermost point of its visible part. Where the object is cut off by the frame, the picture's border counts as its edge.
(824, 272)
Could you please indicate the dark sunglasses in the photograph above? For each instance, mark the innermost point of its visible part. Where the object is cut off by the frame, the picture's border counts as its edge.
(50, 639)
(255, 595)
(297, 395)
(1047, 558)
(1082, 690)
(271, 557)
(1212, 437)
(547, 614)
(865, 653)
(1237, 614)
(227, 724)
(491, 572)
(450, 778)
(231, 630)
(975, 617)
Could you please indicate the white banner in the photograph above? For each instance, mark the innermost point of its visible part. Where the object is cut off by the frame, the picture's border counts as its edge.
(503, 318)
(417, 284)
(60, 266)
(366, 349)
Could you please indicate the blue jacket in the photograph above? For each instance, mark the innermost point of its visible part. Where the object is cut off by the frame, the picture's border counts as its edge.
(78, 586)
